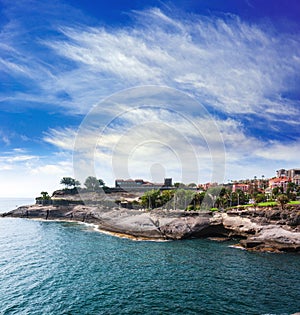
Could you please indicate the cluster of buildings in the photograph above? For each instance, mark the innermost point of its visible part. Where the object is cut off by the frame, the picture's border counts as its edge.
(141, 185)
(282, 179)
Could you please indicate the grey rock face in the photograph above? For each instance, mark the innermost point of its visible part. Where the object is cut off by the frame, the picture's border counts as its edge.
(262, 230)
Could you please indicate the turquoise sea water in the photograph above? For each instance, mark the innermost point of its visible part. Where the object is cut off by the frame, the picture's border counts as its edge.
(68, 268)
(7, 204)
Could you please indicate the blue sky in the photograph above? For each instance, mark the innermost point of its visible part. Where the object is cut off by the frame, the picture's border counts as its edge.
(224, 90)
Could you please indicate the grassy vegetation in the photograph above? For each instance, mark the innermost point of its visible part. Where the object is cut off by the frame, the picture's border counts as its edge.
(294, 203)
(268, 204)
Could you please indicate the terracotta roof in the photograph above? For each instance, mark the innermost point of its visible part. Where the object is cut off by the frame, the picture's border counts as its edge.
(280, 179)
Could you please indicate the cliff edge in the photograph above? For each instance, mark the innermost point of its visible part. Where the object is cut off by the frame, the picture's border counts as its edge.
(264, 229)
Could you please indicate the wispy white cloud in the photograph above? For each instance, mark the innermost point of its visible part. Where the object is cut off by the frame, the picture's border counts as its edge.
(15, 157)
(155, 136)
(229, 64)
(225, 63)
(58, 169)
(142, 137)
(62, 138)
(277, 151)
(26, 175)
(4, 138)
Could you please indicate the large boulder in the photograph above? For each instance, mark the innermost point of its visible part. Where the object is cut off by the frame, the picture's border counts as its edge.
(274, 238)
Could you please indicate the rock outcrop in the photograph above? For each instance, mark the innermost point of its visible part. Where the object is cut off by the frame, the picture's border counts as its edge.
(264, 229)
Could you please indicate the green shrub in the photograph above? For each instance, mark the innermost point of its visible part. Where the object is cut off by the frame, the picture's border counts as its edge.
(189, 208)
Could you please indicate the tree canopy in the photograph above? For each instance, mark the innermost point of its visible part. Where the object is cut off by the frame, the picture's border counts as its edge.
(45, 195)
(92, 183)
(282, 199)
(69, 182)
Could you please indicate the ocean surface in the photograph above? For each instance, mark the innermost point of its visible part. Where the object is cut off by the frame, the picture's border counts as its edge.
(7, 204)
(69, 268)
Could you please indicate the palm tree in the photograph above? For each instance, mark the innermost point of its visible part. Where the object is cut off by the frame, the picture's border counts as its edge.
(282, 199)
(255, 183)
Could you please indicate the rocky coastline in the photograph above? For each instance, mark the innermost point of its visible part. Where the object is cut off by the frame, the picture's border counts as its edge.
(255, 229)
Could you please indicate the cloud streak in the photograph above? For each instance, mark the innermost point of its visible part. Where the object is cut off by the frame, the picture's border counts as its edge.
(225, 63)
(130, 148)
(228, 64)
(23, 174)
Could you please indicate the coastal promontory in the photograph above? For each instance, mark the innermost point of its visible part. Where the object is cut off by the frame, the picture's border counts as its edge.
(254, 228)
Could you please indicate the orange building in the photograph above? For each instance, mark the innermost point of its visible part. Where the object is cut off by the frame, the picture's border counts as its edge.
(279, 182)
(242, 187)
